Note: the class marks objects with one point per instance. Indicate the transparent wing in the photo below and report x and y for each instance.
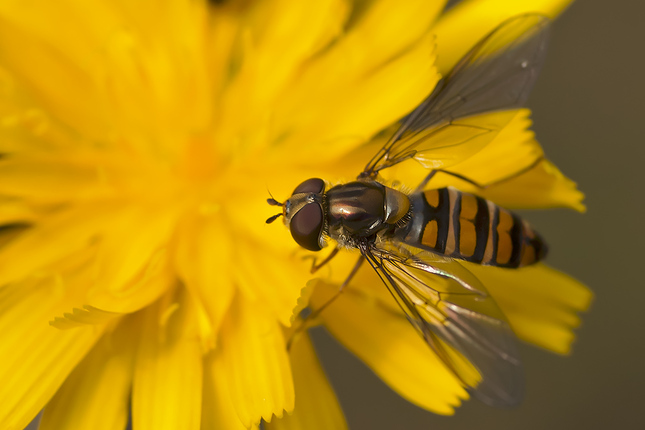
(457, 318)
(496, 75)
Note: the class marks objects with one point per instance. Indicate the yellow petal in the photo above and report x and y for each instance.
(543, 186)
(68, 89)
(129, 277)
(511, 168)
(36, 358)
(156, 277)
(219, 37)
(341, 114)
(15, 211)
(378, 333)
(459, 29)
(10, 232)
(377, 32)
(65, 232)
(204, 266)
(273, 277)
(167, 388)
(114, 55)
(316, 406)
(153, 98)
(270, 27)
(482, 138)
(169, 52)
(510, 153)
(218, 411)
(96, 395)
(87, 316)
(540, 302)
(272, 272)
(48, 179)
(28, 130)
(145, 234)
(258, 372)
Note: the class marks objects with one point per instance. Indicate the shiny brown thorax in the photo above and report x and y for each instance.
(359, 209)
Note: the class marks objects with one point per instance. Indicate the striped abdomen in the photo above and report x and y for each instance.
(471, 228)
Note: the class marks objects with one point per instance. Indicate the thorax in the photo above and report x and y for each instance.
(361, 209)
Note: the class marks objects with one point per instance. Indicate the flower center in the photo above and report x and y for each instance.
(199, 165)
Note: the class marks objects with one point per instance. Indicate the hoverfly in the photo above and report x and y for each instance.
(415, 241)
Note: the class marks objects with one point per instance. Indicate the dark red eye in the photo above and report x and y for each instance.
(313, 185)
(306, 226)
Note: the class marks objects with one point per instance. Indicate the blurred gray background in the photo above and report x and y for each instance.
(589, 113)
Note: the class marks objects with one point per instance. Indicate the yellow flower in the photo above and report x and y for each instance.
(139, 139)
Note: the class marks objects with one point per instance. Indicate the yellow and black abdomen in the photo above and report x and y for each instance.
(467, 227)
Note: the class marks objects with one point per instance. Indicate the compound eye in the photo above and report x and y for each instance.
(313, 185)
(306, 226)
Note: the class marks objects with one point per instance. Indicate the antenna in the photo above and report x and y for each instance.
(274, 202)
(273, 218)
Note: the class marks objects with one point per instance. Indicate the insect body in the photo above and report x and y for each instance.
(467, 227)
(416, 242)
(445, 221)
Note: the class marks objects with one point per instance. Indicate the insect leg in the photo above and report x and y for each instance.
(314, 314)
(425, 181)
(518, 173)
(463, 178)
(315, 267)
(357, 266)
(433, 172)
